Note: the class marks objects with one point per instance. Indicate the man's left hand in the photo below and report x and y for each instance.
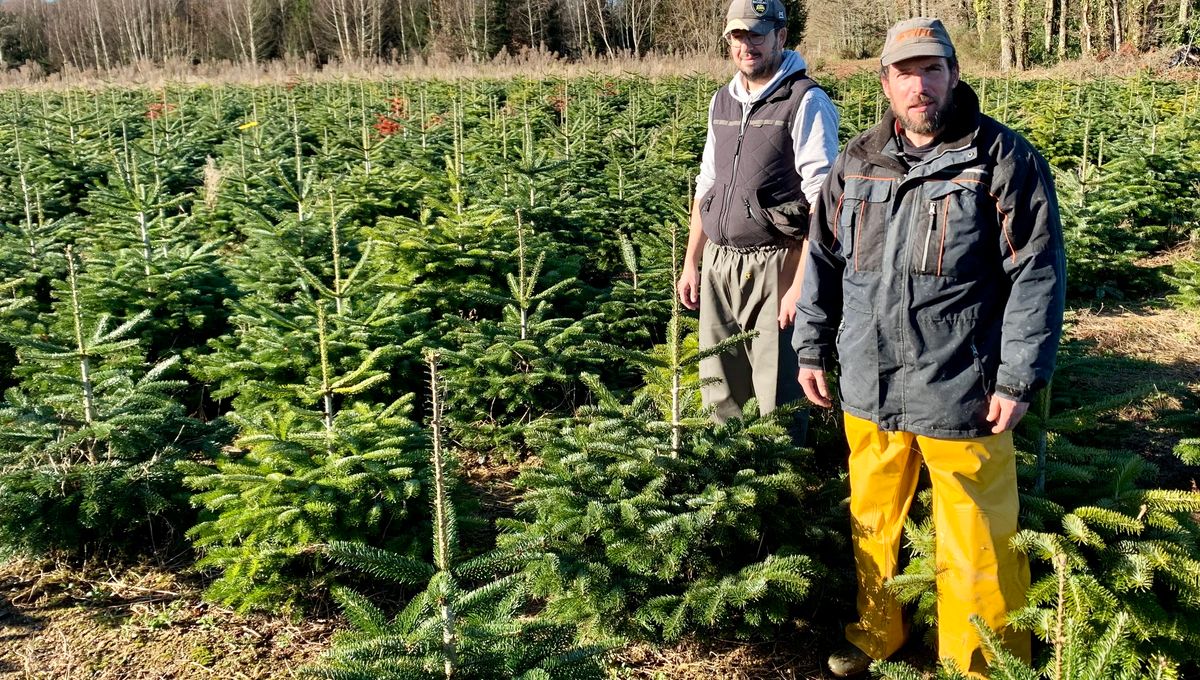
(1004, 413)
(787, 307)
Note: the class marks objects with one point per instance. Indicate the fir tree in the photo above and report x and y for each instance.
(448, 630)
(329, 464)
(1081, 647)
(506, 374)
(90, 435)
(1188, 450)
(634, 310)
(652, 519)
(1186, 279)
(274, 342)
(1132, 551)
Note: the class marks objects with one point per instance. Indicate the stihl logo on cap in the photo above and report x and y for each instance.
(760, 8)
(914, 33)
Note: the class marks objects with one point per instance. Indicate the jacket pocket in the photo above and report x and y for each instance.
(862, 219)
(948, 232)
(710, 212)
(946, 381)
(756, 213)
(979, 367)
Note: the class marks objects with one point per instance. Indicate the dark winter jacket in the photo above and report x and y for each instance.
(937, 283)
(757, 198)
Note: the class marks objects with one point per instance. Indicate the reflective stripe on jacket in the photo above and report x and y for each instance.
(937, 283)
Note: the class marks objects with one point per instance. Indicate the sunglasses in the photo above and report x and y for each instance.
(746, 37)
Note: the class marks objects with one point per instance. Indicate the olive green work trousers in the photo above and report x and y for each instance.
(740, 290)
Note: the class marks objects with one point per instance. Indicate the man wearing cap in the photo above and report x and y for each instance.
(772, 136)
(935, 279)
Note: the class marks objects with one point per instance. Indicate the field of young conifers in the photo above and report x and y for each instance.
(275, 322)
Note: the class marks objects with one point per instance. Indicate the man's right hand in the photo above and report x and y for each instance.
(689, 287)
(812, 381)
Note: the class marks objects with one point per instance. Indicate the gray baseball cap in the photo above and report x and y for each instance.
(756, 16)
(919, 37)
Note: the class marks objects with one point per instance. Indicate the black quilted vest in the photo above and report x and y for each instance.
(756, 200)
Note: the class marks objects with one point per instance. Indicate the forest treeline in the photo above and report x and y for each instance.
(103, 34)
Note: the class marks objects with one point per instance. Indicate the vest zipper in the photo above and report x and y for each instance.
(929, 236)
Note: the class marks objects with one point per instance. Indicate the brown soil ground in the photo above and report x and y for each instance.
(146, 622)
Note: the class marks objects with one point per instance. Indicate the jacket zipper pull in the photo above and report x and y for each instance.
(929, 236)
(749, 215)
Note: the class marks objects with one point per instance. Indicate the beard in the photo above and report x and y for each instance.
(932, 120)
(766, 65)
(762, 68)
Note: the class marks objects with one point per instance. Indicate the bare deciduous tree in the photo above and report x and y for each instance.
(243, 24)
(463, 26)
(356, 26)
(694, 26)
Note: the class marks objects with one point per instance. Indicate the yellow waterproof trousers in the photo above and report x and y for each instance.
(974, 513)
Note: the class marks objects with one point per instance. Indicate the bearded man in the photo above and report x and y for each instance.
(772, 136)
(935, 279)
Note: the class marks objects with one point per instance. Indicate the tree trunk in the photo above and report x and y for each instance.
(1021, 35)
(1048, 27)
(100, 34)
(608, 50)
(1006, 38)
(251, 22)
(981, 23)
(1062, 30)
(1085, 27)
(1116, 26)
(529, 26)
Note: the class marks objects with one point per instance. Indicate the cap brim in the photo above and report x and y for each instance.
(918, 49)
(759, 26)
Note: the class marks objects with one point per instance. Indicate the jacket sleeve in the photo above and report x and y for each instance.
(1035, 262)
(819, 309)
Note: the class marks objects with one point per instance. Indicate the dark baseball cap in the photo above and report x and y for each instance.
(919, 37)
(756, 16)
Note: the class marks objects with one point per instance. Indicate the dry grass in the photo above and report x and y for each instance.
(527, 63)
(1168, 337)
(142, 623)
